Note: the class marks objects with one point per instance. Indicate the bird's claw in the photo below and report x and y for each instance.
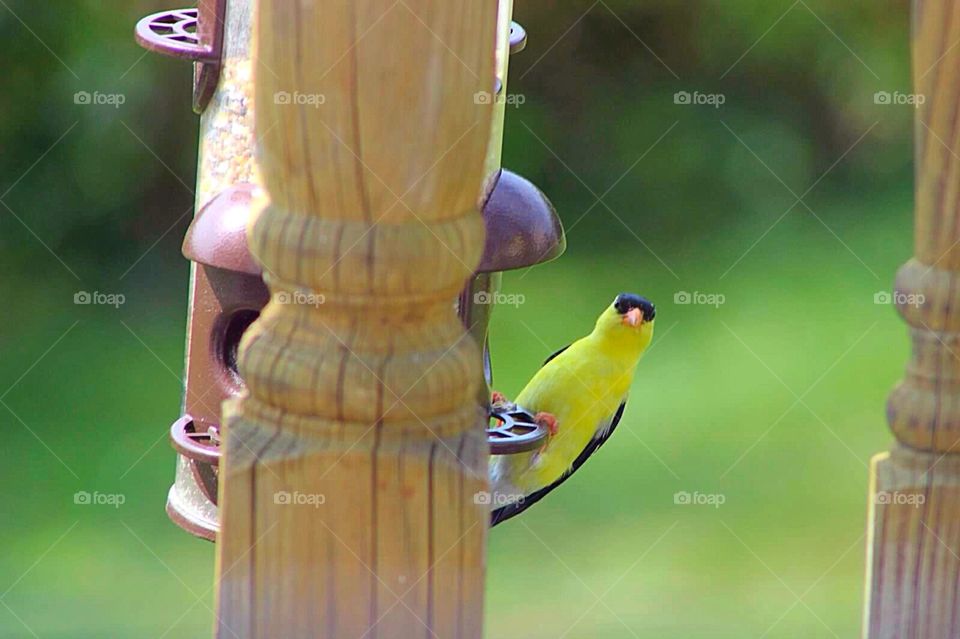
(548, 421)
(500, 403)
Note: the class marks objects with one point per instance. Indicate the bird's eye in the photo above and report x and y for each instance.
(620, 304)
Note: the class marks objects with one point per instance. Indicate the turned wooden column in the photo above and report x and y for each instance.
(350, 465)
(913, 553)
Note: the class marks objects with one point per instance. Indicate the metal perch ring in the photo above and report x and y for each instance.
(515, 431)
(174, 33)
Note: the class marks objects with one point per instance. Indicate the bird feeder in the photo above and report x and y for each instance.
(227, 289)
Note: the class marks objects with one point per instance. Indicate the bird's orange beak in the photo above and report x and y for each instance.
(633, 317)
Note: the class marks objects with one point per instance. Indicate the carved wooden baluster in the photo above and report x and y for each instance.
(347, 489)
(913, 556)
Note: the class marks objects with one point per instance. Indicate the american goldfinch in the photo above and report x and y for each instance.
(579, 395)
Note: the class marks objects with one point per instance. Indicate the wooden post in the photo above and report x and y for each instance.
(913, 551)
(350, 466)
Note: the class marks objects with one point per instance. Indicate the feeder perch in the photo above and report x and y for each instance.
(194, 34)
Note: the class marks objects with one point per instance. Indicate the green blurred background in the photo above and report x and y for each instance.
(773, 399)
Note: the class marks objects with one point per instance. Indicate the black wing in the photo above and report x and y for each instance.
(547, 361)
(506, 512)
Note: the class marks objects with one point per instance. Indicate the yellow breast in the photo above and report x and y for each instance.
(582, 387)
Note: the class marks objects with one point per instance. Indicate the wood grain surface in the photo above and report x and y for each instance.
(913, 550)
(351, 464)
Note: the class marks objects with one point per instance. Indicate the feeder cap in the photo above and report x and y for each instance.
(522, 226)
(218, 234)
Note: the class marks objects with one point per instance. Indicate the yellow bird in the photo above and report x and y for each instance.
(579, 395)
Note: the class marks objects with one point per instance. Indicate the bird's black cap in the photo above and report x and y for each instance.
(627, 301)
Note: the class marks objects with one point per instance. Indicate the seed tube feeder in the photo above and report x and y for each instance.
(341, 481)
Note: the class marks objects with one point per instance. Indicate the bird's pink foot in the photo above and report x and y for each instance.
(498, 398)
(548, 421)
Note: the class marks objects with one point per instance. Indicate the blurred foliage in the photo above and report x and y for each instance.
(599, 81)
(657, 198)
